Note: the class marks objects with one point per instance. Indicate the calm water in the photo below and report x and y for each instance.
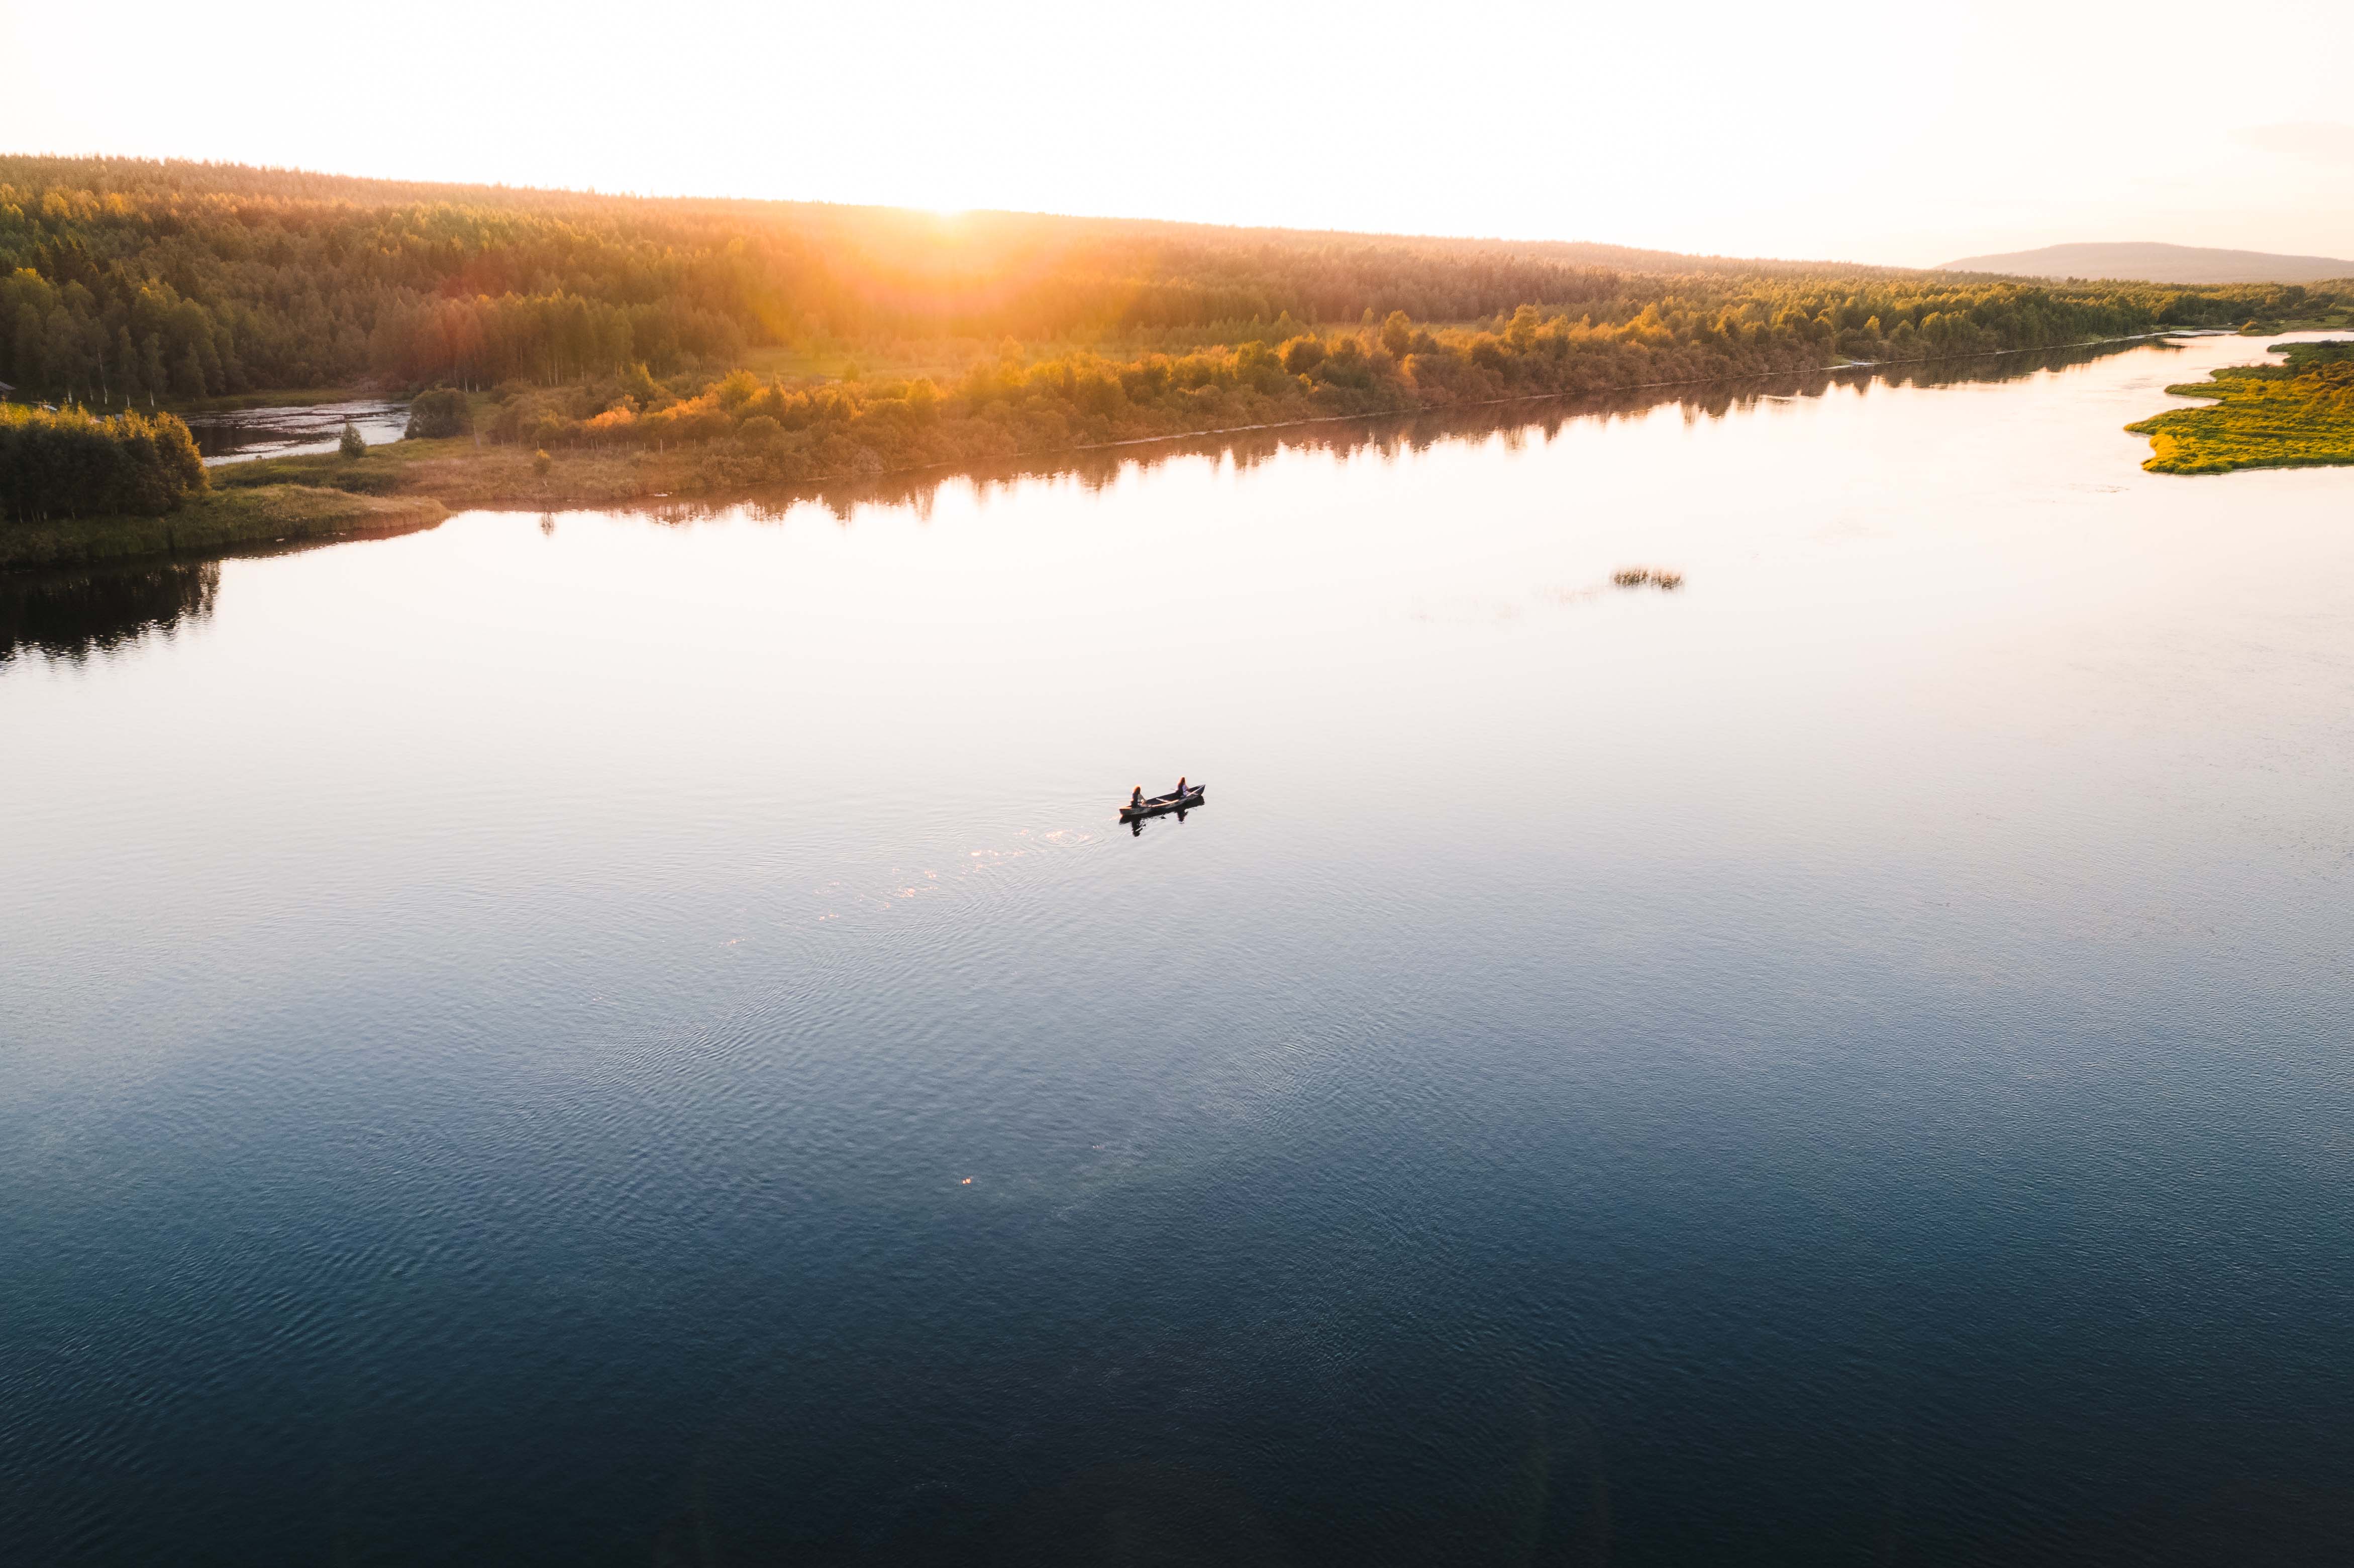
(603, 1041)
(241, 435)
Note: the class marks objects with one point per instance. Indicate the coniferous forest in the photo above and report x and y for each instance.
(130, 278)
(784, 341)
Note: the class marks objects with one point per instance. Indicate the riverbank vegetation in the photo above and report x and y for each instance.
(655, 348)
(215, 523)
(59, 464)
(631, 434)
(684, 478)
(411, 483)
(2292, 415)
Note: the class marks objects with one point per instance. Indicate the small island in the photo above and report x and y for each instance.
(2294, 414)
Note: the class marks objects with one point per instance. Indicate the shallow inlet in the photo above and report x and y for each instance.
(583, 1038)
(242, 435)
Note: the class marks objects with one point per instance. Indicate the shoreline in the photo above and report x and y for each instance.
(2290, 412)
(216, 522)
(463, 476)
(403, 486)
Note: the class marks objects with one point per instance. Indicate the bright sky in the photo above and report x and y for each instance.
(1849, 129)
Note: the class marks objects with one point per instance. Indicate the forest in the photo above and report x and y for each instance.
(618, 347)
(128, 282)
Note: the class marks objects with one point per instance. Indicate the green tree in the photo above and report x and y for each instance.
(126, 362)
(437, 414)
(1397, 334)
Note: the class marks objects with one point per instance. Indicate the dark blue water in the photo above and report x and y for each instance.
(625, 1041)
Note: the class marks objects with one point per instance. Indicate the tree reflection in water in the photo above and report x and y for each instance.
(1514, 420)
(67, 616)
(70, 616)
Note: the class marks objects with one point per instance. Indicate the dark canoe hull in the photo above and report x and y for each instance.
(1160, 803)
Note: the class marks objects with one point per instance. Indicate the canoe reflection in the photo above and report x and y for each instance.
(1180, 801)
(1136, 824)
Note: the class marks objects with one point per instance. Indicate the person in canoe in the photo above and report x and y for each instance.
(1181, 786)
(1135, 798)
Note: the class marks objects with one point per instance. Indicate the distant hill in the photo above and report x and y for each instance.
(2157, 263)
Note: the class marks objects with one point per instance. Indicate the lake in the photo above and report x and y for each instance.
(600, 1038)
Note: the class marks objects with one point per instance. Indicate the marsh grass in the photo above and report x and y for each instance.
(2295, 415)
(1661, 578)
(218, 521)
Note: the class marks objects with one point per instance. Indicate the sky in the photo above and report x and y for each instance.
(1816, 129)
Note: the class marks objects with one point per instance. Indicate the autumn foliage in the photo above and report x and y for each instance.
(749, 429)
(123, 279)
(68, 463)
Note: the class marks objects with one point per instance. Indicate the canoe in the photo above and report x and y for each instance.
(1155, 804)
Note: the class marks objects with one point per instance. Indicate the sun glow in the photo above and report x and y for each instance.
(2065, 154)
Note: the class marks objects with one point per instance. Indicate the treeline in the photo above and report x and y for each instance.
(743, 429)
(56, 464)
(127, 282)
(180, 279)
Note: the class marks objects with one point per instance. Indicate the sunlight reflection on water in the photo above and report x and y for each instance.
(646, 1038)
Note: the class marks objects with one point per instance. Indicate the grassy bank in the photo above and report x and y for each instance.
(458, 474)
(633, 440)
(2294, 414)
(219, 520)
